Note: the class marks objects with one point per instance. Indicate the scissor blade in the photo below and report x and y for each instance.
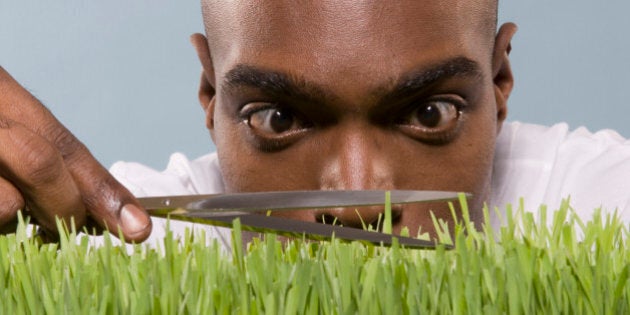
(286, 200)
(295, 228)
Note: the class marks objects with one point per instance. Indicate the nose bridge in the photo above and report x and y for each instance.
(356, 160)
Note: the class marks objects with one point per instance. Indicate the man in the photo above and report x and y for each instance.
(326, 95)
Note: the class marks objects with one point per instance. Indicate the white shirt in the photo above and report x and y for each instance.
(542, 165)
(545, 165)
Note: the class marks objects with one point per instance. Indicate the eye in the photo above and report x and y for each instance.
(434, 115)
(434, 121)
(272, 126)
(272, 121)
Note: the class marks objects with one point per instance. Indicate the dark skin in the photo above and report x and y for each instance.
(47, 172)
(337, 97)
(328, 96)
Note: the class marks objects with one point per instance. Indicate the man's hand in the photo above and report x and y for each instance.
(49, 173)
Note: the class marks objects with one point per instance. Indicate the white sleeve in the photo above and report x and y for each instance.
(181, 176)
(594, 169)
(543, 165)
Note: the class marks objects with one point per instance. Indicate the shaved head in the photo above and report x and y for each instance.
(221, 16)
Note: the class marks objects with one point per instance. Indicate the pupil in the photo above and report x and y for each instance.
(281, 121)
(430, 116)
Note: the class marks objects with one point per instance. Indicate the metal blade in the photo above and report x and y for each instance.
(170, 202)
(295, 228)
(223, 209)
(287, 200)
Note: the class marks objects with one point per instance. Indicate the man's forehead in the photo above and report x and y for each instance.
(333, 43)
(224, 19)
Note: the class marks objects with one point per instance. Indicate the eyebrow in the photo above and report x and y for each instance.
(417, 80)
(276, 83)
(295, 87)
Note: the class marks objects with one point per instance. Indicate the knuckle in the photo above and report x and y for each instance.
(42, 165)
(33, 160)
(67, 144)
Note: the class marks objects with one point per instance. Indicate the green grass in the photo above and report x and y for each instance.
(527, 267)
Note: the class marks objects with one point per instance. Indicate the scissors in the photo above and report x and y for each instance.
(250, 208)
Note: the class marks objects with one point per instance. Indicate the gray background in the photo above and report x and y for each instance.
(123, 77)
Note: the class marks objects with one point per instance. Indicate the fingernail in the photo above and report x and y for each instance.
(133, 220)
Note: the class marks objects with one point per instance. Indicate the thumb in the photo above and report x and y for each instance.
(108, 203)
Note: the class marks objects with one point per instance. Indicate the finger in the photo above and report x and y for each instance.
(11, 202)
(37, 170)
(110, 204)
(106, 200)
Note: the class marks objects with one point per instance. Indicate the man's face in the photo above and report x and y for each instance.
(381, 95)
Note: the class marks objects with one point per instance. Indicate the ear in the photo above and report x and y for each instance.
(207, 85)
(502, 71)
